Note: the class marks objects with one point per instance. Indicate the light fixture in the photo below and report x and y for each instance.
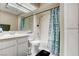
(18, 7)
(28, 6)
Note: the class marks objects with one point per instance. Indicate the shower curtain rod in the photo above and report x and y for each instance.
(41, 12)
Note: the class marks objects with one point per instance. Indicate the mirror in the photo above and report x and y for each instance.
(26, 24)
(10, 20)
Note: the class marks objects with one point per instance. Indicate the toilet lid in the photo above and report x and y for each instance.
(36, 42)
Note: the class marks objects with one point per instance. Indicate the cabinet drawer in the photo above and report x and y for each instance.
(7, 43)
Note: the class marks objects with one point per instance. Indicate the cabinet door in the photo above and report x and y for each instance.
(22, 49)
(9, 51)
(22, 46)
(8, 47)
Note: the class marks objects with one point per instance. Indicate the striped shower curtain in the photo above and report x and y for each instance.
(54, 32)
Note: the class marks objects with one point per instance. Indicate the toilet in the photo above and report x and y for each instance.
(35, 47)
(43, 45)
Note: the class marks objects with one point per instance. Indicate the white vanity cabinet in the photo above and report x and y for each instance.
(17, 46)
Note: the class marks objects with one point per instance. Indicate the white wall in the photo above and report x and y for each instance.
(35, 28)
(44, 28)
(71, 29)
(7, 18)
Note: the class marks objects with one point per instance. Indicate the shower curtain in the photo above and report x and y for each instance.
(54, 32)
(22, 23)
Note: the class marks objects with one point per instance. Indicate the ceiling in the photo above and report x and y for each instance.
(17, 11)
(34, 8)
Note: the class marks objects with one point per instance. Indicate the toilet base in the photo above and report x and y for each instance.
(35, 50)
